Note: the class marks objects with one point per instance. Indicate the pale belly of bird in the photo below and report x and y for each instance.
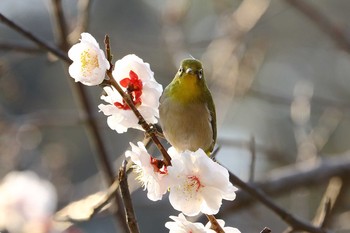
(189, 131)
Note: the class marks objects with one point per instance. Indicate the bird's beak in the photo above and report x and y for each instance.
(189, 71)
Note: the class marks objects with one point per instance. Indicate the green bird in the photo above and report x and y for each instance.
(187, 110)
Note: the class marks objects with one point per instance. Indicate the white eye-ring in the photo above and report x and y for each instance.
(200, 73)
(180, 70)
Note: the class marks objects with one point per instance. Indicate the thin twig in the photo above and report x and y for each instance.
(62, 31)
(41, 43)
(129, 209)
(150, 130)
(253, 159)
(108, 51)
(214, 224)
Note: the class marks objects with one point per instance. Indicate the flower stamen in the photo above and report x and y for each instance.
(88, 62)
(193, 181)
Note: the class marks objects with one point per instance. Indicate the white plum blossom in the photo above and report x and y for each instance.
(26, 203)
(150, 175)
(137, 79)
(197, 183)
(181, 225)
(222, 224)
(89, 62)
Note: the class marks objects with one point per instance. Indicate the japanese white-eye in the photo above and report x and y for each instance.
(187, 111)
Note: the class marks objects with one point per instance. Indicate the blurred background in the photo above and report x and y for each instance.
(278, 71)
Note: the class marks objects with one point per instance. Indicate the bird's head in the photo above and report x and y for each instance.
(189, 81)
(191, 69)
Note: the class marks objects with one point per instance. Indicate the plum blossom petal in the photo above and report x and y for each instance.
(26, 202)
(153, 178)
(181, 225)
(197, 183)
(137, 79)
(89, 62)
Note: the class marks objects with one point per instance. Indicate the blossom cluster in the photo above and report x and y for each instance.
(133, 75)
(196, 184)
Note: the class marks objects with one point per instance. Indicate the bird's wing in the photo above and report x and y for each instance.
(212, 111)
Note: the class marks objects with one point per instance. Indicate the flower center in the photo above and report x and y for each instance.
(89, 61)
(133, 87)
(193, 182)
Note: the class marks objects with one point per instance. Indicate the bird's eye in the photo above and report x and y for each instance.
(180, 70)
(200, 73)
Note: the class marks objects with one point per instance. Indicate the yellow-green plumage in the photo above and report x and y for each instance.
(187, 111)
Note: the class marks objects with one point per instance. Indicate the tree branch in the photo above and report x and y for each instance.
(62, 31)
(299, 175)
(128, 206)
(41, 43)
(252, 159)
(295, 223)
